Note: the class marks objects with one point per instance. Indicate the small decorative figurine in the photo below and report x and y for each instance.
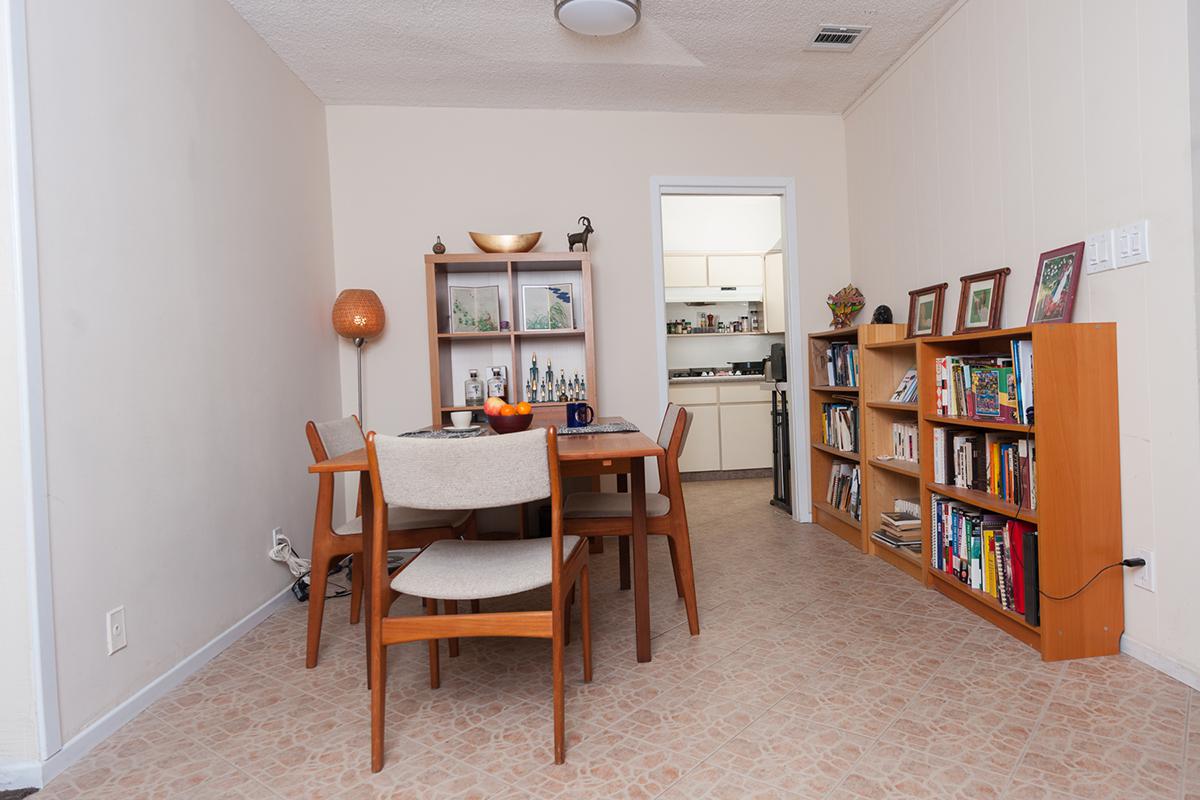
(580, 238)
(845, 305)
(439, 249)
(882, 315)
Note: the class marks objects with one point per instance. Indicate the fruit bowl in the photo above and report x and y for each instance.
(513, 423)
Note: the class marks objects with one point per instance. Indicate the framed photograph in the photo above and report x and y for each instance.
(1056, 283)
(474, 309)
(925, 311)
(547, 308)
(980, 299)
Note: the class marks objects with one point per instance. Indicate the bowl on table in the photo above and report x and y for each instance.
(513, 423)
(505, 242)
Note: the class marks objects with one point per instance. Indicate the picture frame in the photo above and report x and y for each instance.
(474, 309)
(925, 311)
(547, 307)
(980, 300)
(1056, 284)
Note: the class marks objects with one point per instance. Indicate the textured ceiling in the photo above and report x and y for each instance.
(686, 55)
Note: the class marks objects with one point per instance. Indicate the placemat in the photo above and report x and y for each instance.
(444, 434)
(600, 427)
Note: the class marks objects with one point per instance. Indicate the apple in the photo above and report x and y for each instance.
(492, 406)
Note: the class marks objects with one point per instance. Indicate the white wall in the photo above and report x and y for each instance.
(185, 255)
(401, 176)
(1002, 136)
(721, 222)
(18, 707)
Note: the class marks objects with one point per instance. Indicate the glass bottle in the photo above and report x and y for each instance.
(496, 386)
(473, 390)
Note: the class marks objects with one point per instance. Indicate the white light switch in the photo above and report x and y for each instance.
(1098, 254)
(1133, 244)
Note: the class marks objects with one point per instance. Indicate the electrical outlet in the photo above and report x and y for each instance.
(275, 534)
(115, 625)
(1133, 244)
(1144, 576)
(1099, 253)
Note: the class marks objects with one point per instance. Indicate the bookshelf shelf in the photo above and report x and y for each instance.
(904, 560)
(911, 469)
(836, 453)
(887, 405)
(967, 422)
(956, 588)
(988, 502)
(836, 389)
(895, 344)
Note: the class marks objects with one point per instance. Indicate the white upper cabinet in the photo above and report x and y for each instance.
(774, 299)
(735, 270)
(685, 271)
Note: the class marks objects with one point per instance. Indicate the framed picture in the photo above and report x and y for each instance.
(980, 299)
(925, 311)
(1056, 283)
(547, 308)
(474, 309)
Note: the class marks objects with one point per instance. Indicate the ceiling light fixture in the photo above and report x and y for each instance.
(598, 17)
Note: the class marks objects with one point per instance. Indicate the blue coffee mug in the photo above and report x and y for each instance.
(579, 415)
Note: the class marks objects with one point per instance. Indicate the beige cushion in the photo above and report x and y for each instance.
(409, 519)
(586, 505)
(457, 569)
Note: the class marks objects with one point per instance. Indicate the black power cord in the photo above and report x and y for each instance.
(1128, 562)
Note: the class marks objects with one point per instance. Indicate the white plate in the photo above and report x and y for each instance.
(459, 430)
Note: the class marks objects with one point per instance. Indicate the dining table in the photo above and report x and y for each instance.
(621, 453)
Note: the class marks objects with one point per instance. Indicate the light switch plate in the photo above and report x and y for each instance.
(1099, 254)
(1133, 244)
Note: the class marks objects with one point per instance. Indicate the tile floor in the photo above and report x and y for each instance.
(820, 673)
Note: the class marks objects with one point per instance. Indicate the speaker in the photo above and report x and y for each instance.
(778, 362)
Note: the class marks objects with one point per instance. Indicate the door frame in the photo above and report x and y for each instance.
(793, 311)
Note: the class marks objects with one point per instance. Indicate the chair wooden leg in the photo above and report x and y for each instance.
(675, 565)
(378, 674)
(356, 589)
(687, 576)
(560, 749)
(474, 606)
(567, 616)
(623, 557)
(451, 607)
(595, 544)
(585, 622)
(435, 673)
(316, 604)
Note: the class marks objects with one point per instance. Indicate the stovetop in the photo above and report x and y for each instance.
(715, 372)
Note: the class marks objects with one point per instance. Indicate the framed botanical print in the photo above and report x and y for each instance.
(1056, 284)
(980, 300)
(474, 309)
(925, 311)
(547, 308)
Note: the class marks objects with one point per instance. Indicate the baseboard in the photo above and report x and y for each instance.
(20, 775)
(82, 743)
(1153, 658)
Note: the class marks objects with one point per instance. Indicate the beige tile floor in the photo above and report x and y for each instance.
(820, 673)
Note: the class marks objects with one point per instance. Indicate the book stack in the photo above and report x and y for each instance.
(845, 489)
(988, 552)
(906, 391)
(899, 529)
(905, 437)
(840, 425)
(842, 364)
(981, 387)
(1000, 464)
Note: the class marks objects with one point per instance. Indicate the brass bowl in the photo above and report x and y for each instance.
(505, 242)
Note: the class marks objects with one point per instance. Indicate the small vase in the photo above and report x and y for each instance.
(439, 249)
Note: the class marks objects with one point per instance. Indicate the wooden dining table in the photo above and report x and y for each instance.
(579, 455)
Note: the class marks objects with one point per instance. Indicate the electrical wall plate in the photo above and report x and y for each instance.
(1143, 577)
(1099, 254)
(1133, 244)
(114, 623)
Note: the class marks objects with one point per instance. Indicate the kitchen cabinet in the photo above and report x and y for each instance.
(731, 425)
(742, 270)
(745, 435)
(774, 297)
(685, 271)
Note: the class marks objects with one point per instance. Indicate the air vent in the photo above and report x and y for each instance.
(842, 38)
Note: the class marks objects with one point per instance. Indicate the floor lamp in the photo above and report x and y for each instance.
(358, 316)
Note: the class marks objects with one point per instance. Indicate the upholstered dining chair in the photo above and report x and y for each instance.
(446, 475)
(594, 514)
(408, 528)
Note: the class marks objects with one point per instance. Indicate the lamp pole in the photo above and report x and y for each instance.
(358, 346)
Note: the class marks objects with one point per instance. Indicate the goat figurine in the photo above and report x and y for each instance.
(580, 238)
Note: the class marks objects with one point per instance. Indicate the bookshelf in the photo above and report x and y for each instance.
(1078, 514)
(884, 365)
(451, 354)
(823, 456)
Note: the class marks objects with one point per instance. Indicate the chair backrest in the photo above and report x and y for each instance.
(672, 436)
(336, 437)
(480, 472)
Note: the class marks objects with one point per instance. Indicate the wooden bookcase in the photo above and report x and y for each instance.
(451, 355)
(1078, 513)
(884, 365)
(823, 456)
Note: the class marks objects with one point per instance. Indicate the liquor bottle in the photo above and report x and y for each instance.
(533, 378)
(528, 392)
(543, 392)
(550, 376)
(473, 390)
(496, 386)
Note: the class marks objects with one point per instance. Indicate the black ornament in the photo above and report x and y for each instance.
(882, 314)
(580, 238)
(438, 247)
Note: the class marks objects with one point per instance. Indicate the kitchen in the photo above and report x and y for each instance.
(723, 268)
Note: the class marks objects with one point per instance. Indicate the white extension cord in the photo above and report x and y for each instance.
(282, 552)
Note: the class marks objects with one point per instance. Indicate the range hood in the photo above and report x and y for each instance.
(713, 294)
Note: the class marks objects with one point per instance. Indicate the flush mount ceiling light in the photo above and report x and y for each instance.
(598, 17)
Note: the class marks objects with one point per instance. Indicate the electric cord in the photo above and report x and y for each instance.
(1128, 562)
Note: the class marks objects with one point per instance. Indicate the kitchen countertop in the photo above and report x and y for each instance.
(719, 379)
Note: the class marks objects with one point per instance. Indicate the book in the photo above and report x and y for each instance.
(841, 364)
(981, 387)
(844, 492)
(839, 421)
(906, 390)
(901, 520)
(905, 441)
(988, 552)
(887, 538)
(908, 505)
(1032, 590)
(1022, 358)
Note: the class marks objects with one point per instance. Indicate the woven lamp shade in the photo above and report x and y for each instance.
(358, 314)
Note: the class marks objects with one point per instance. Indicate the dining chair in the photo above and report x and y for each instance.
(408, 528)
(447, 475)
(595, 514)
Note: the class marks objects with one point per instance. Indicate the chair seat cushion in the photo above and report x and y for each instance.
(409, 519)
(586, 505)
(457, 569)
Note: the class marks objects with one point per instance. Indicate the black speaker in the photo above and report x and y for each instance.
(778, 362)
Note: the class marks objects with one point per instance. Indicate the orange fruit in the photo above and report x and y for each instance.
(507, 410)
(524, 408)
